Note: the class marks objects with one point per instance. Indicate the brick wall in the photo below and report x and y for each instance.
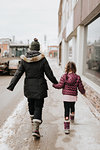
(93, 97)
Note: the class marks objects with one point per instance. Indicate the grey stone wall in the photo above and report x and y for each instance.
(93, 97)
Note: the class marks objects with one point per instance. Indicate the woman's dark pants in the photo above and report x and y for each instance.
(35, 107)
(69, 107)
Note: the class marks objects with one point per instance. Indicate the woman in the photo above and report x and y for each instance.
(35, 65)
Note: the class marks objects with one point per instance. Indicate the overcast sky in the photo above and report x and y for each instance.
(26, 19)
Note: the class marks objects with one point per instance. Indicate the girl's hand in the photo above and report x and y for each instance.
(84, 94)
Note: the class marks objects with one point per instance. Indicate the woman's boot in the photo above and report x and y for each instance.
(36, 124)
(32, 117)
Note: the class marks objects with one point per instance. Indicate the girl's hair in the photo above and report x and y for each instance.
(70, 67)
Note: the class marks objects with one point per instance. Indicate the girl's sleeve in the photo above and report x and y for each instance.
(61, 83)
(80, 86)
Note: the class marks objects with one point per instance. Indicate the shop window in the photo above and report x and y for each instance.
(92, 64)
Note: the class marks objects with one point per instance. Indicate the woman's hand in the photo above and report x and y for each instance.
(84, 94)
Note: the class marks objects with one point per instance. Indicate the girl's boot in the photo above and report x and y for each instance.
(72, 116)
(36, 124)
(67, 126)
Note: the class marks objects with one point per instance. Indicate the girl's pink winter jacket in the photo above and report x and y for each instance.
(70, 84)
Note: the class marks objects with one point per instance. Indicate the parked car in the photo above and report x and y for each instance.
(4, 67)
(13, 66)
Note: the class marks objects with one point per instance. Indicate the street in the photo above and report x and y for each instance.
(9, 100)
(16, 133)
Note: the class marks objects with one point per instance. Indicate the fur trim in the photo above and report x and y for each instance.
(36, 120)
(31, 115)
(32, 59)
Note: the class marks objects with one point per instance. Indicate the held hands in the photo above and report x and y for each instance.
(53, 85)
(84, 94)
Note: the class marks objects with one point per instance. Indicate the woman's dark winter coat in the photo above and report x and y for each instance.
(35, 65)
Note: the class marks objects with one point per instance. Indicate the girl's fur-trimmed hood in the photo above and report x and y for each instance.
(32, 57)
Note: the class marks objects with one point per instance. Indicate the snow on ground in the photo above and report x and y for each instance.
(6, 131)
(4, 147)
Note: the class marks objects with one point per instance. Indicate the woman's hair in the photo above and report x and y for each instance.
(70, 67)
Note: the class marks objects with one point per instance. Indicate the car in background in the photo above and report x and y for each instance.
(13, 66)
(3, 67)
(9, 65)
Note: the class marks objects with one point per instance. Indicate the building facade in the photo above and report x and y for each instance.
(79, 41)
(18, 49)
(4, 47)
(9, 48)
(52, 51)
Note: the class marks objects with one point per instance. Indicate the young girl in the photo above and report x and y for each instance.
(69, 83)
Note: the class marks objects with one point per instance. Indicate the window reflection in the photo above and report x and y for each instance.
(92, 67)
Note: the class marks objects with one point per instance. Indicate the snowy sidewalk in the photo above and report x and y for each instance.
(85, 132)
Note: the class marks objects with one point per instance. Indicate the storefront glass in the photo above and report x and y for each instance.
(92, 64)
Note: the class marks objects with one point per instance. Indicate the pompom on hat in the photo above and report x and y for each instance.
(35, 45)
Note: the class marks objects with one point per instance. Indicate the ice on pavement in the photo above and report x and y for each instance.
(6, 131)
(4, 147)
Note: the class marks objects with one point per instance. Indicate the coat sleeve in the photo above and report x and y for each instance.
(16, 77)
(61, 83)
(49, 73)
(80, 86)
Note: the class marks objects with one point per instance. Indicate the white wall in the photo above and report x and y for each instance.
(69, 26)
(74, 49)
(80, 49)
(64, 54)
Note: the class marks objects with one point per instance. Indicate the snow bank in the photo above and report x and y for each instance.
(6, 131)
